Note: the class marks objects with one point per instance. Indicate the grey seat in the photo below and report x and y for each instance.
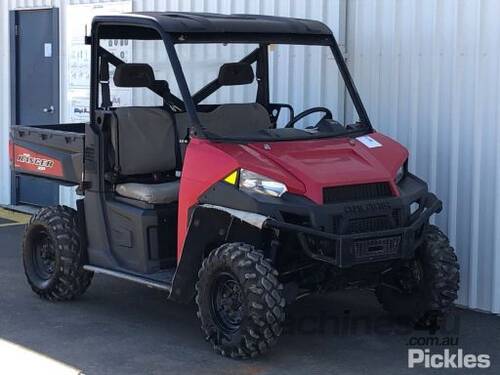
(150, 193)
(229, 119)
(232, 119)
(145, 139)
(144, 142)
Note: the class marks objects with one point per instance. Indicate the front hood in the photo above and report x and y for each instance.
(306, 167)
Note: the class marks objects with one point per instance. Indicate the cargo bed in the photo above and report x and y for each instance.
(51, 151)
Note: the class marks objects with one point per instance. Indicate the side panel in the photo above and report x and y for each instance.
(204, 165)
(142, 240)
(98, 236)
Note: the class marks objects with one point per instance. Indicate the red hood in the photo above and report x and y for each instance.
(306, 167)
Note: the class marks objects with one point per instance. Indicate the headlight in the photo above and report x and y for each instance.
(400, 174)
(255, 183)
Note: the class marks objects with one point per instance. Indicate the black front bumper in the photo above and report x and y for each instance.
(333, 243)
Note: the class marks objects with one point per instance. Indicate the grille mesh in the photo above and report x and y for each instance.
(369, 224)
(349, 193)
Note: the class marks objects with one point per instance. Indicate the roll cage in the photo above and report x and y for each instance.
(261, 30)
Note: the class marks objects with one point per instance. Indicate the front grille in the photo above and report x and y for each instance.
(369, 224)
(377, 247)
(349, 193)
(346, 225)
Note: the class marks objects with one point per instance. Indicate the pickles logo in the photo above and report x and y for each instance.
(39, 163)
(447, 359)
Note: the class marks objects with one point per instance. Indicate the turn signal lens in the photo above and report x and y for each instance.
(232, 178)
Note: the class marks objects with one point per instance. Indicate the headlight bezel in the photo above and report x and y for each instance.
(252, 182)
(401, 172)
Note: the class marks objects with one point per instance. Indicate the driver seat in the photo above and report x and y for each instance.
(144, 141)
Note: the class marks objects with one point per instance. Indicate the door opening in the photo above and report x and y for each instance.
(34, 36)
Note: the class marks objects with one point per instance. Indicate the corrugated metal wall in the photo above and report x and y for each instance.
(429, 73)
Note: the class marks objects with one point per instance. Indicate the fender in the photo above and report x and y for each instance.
(211, 226)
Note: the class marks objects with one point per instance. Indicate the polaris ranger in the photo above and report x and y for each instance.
(220, 202)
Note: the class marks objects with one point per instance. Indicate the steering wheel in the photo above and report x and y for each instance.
(307, 112)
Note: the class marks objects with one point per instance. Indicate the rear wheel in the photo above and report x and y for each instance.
(240, 301)
(423, 291)
(53, 255)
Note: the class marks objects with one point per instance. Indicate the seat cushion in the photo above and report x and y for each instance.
(167, 192)
(144, 139)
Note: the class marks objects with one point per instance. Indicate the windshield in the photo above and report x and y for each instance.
(236, 91)
(268, 92)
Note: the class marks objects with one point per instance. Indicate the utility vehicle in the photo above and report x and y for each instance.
(216, 200)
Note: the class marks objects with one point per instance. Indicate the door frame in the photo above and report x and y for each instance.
(13, 50)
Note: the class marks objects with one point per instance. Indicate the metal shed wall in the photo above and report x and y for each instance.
(429, 73)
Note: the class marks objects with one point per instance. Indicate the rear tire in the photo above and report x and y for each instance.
(434, 276)
(54, 255)
(240, 301)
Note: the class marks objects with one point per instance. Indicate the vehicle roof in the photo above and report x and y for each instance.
(183, 22)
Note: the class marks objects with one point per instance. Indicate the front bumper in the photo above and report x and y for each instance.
(334, 244)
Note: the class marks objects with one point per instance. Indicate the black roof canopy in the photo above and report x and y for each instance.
(204, 25)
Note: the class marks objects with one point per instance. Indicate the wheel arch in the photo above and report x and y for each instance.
(211, 226)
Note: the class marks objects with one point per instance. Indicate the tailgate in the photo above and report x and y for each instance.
(49, 151)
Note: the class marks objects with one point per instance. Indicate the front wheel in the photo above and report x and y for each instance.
(423, 290)
(240, 301)
(53, 255)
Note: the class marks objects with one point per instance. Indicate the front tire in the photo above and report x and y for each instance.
(240, 301)
(53, 255)
(423, 291)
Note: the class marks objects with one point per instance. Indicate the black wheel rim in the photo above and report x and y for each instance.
(407, 280)
(44, 255)
(227, 302)
(411, 280)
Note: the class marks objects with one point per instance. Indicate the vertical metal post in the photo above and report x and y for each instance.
(14, 32)
(342, 42)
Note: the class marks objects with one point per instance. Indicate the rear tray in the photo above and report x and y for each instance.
(51, 151)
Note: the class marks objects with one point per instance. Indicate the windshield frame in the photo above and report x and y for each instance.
(262, 39)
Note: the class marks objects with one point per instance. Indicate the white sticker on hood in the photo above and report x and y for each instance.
(369, 141)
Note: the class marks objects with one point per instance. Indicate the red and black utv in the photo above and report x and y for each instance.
(236, 202)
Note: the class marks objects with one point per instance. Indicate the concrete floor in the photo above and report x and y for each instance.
(122, 328)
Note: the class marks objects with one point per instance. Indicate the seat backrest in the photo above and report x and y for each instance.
(144, 140)
(229, 119)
